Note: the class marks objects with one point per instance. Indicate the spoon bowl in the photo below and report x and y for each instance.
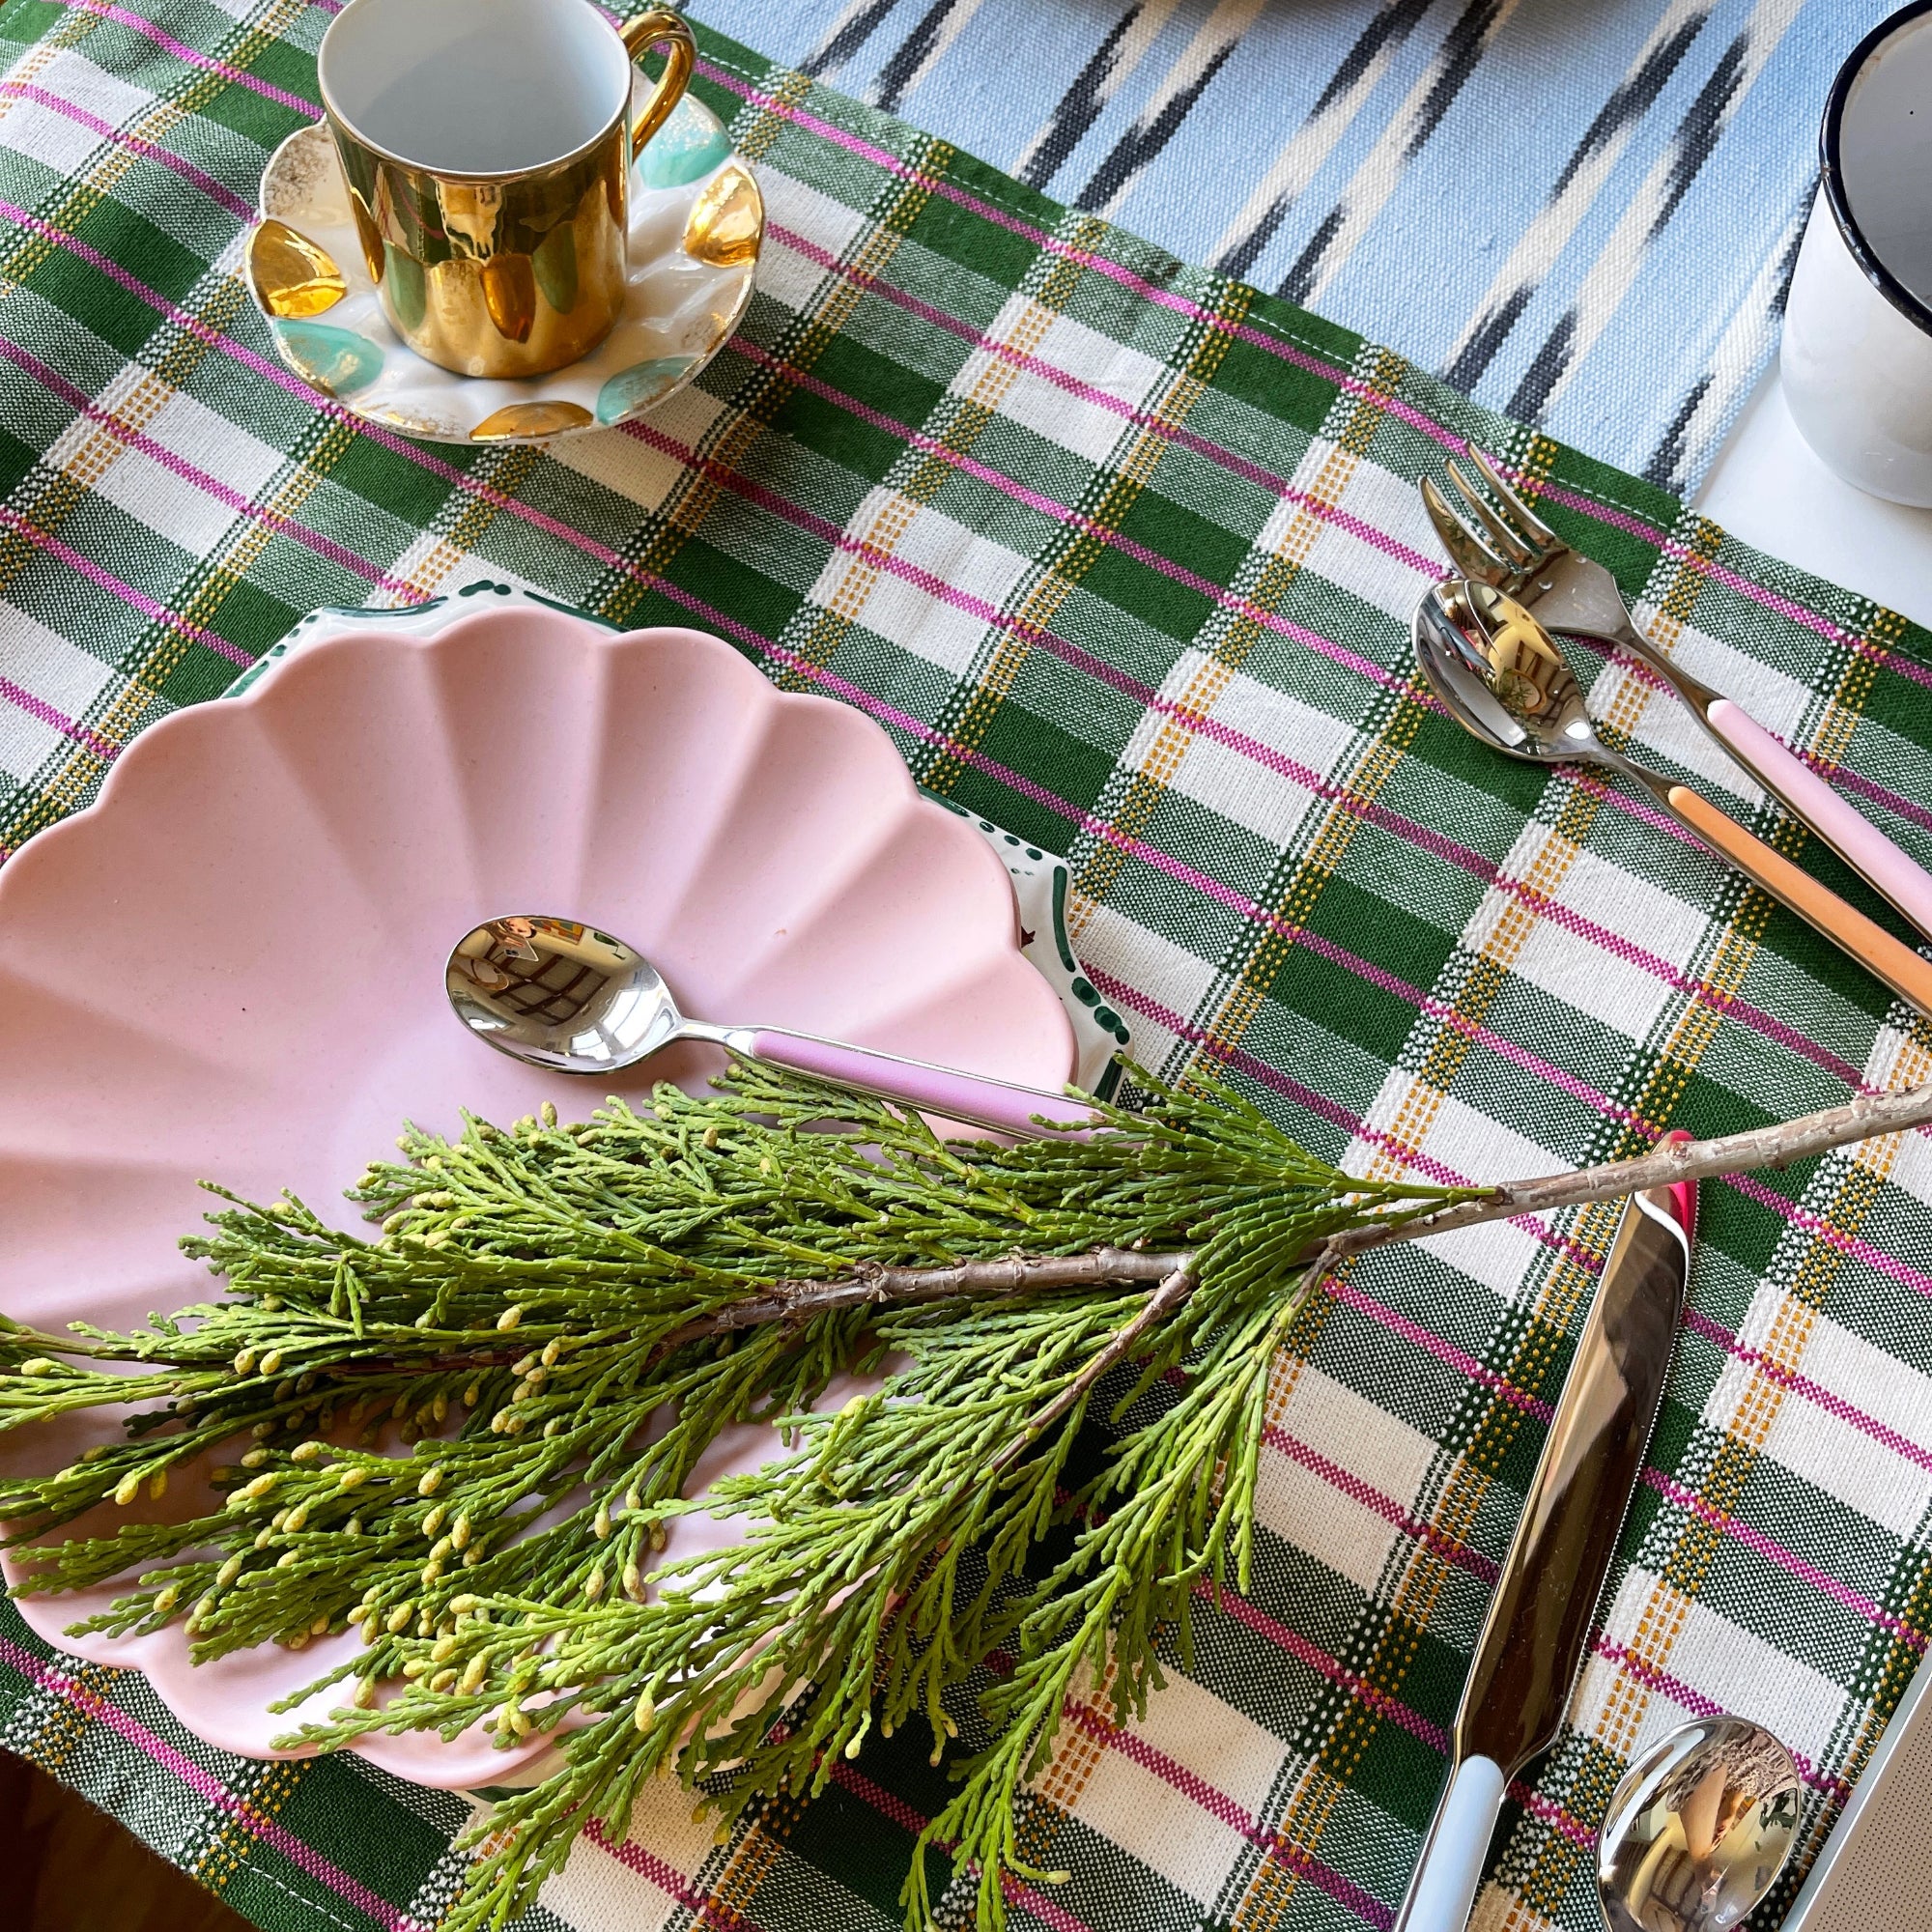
(557, 993)
(1501, 676)
(1698, 1830)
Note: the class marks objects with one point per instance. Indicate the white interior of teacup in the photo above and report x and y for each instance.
(1885, 153)
(475, 87)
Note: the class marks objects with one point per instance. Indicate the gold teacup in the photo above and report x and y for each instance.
(487, 145)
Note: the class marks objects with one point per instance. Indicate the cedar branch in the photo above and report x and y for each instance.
(1865, 1118)
(1173, 1290)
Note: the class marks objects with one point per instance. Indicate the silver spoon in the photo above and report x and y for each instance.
(1698, 1828)
(1501, 676)
(556, 993)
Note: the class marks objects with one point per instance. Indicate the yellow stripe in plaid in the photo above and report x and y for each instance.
(728, 449)
(1074, 551)
(1386, 734)
(857, 575)
(1206, 687)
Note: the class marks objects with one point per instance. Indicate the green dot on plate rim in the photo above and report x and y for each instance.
(639, 385)
(685, 149)
(336, 359)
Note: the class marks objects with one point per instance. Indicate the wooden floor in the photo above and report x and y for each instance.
(67, 1868)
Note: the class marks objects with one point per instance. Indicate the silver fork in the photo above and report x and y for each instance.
(1501, 540)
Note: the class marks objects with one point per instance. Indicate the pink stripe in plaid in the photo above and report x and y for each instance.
(1825, 767)
(79, 400)
(892, 1806)
(1787, 1560)
(634, 1856)
(1641, 1670)
(207, 1787)
(1060, 379)
(1464, 1364)
(1450, 1017)
(1370, 1910)
(936, 587)
(1298, 1647)
(1776, 1372)
(1553, 1814)
(107, 581)
(56, 103)
(1821, 1230)
(39, 707)
(1379, 1504)
(147, 29)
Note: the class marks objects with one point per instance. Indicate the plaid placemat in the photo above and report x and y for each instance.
(1583, 215)
(1122, 554)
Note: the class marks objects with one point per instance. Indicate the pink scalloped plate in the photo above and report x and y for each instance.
(230, 967)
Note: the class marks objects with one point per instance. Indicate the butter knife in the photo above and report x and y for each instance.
(1533, 1640)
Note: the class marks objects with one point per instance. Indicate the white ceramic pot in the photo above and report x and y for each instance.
(1856, 358)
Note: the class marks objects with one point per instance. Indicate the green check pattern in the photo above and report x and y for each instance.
(1122, 554)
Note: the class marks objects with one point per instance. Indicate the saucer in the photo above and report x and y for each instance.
(697, 223)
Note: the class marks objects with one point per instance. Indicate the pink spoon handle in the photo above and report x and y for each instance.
(1847, 831)
(934, 1090)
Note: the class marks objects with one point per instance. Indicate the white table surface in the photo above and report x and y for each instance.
(1768, 488)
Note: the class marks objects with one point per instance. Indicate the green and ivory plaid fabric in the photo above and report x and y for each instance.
(1122, 554)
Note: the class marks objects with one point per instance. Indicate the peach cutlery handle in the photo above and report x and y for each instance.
(1900, 968)
(934, 1090)
(1847, 831)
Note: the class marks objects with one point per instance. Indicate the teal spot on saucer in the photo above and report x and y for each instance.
(336, 359)
(639, 385)
(689, 145)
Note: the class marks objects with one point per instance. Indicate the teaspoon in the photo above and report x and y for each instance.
(1698, 1830)
(556, 993)
(1501, 676)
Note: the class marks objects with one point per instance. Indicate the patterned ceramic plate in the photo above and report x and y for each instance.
(698, 221)
(231, 966)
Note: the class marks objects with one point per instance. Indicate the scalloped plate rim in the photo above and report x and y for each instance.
(181, 736)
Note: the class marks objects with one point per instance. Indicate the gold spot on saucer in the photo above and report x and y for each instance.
(727, 221)
(416, 425)
(292, 276)
(531, 419)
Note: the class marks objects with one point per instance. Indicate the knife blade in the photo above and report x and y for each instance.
(1533, 1638)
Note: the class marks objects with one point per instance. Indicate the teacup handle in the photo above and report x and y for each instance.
(660, 28)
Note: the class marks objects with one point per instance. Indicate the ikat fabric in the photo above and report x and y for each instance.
(1583, 215)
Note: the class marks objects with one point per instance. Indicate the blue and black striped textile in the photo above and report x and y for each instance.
(1582, 211)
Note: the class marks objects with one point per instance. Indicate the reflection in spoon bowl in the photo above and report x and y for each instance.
(1698, 1830)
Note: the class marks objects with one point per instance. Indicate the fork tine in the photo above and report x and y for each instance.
(1520, 555)
(1527, 519)
(1469, 551)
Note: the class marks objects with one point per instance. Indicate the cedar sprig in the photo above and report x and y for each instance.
(538, 1325)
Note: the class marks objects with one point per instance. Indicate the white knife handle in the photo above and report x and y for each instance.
(1444, 1885)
